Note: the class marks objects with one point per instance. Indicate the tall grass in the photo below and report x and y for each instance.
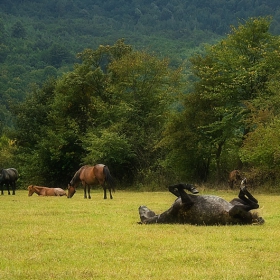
(60, 238)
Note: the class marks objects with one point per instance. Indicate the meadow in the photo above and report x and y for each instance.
(60, 238)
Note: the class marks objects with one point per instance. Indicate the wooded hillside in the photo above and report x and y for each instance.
(40, 41)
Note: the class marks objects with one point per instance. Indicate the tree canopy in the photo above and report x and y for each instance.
(231, 93)
(152, 122)
(110, 108)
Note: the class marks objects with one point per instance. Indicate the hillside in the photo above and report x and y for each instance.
(40, 38)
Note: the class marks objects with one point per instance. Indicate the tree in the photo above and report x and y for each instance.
(231, 75)
(18, 30)
(142, 88)
(31, 123)
(111, 109)
(58, 54)
(8, 148)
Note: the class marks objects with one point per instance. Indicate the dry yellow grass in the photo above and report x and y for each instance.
(60, 238)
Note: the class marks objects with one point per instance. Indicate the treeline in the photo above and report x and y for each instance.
(159, 16)
(127, 108)
(39, 43)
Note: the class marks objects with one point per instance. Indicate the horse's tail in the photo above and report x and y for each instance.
(108, 178)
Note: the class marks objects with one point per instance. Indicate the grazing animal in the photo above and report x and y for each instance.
(234, 177)
(8, 177)
(205, 209)
(90, 176)
(44, 191)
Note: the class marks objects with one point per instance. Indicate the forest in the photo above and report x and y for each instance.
(160, 92)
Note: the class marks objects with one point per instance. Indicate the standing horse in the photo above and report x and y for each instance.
(234, 177)
(205, 209)
(44, 191)
(8, 177)
(90, 176)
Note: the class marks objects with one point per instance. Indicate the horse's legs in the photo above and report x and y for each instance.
(2, 189)
(175, 189)
(105, 193)
(89, 197)
(246, 203)
(186, 199)
(8, 188)
(14, 188)
(243, 192)
(178, 190)
(85, 191)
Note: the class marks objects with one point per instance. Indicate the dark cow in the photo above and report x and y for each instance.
(234, 178)
(8, 177)
(205, 209)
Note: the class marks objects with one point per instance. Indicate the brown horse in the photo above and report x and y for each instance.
(234, 178)
(44, 191)
(90, 176)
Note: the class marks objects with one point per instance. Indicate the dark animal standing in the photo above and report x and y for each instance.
(205, 209)
(8, 177)
(90, 176)
(44, 191)
(234, 178)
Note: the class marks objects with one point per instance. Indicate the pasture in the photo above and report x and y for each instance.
(60, 238)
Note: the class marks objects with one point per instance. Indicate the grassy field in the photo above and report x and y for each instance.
(60, 238)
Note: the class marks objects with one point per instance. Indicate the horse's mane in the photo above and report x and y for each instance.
(76, 177)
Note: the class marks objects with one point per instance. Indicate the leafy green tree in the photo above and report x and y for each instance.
(111, 108)
(30, 130)
(231, 75)
(142, 88)
(261, 149)
(58, 54)
(7, 148)
(18, 30)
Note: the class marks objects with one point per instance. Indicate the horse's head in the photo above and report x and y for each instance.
(71, 191)
(30, 190)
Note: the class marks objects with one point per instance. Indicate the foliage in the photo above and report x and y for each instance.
(232, 77)
(111, 103)
(109, 109)
(37, 34)
(7, 150)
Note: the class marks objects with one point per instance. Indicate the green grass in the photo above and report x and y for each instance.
(60, 238)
